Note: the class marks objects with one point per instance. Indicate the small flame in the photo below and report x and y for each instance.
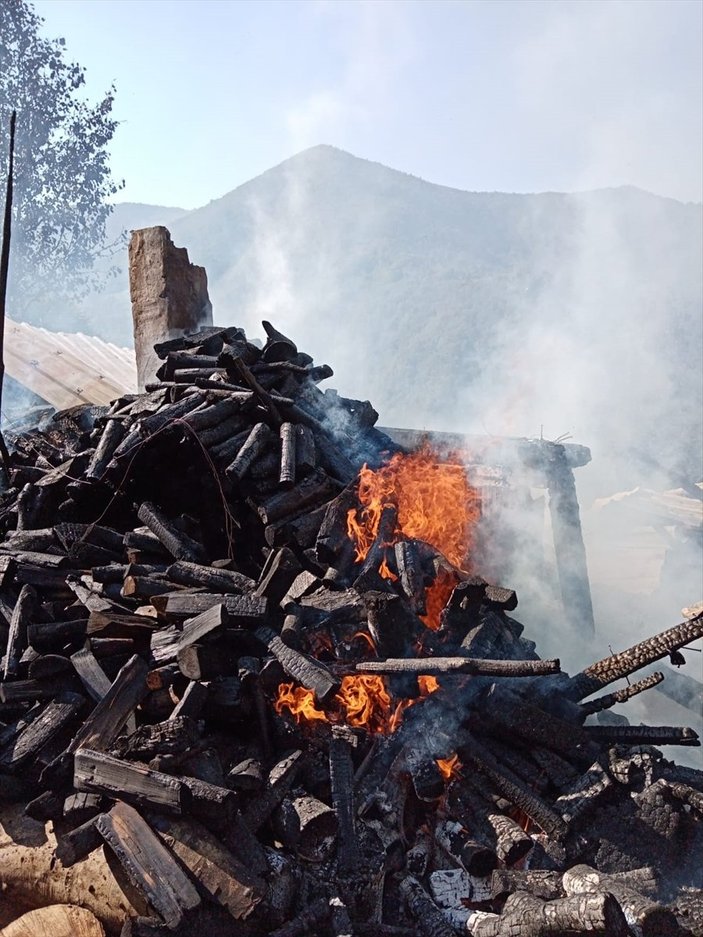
(366, 702)
(428, 684)
(299, 702)
(436, 597)
(449, 767)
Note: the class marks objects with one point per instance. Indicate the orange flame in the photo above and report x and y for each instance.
(366, 702)
(449, 767)
(436, 597)
(299, 702)
(428, 684)
(435, 503)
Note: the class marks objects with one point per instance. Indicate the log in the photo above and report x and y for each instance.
(256, 442)
(513, 789)
(76, 844)
(311, 492)
(342, 787)
(305, 458)
(204, 624)
(215, 580)
(218, 872)
(59, 713)
(412, 578)
(99, 773)
(307, 671)
(279, 782)
(618, 666)
(306, 825)
(126, 692)
(30, 874)
(439, 666)
(475, 857)
(526, 916)
(192, 701)
(430, 921)
(49, 634)
(621, 696)
(17, 637)
(175, 541)
(643, 735)
(243, 610)
(148, 864)
(584, 794)
(542, 884)
(650, 918)
(286, 475)
(56, 920)
(279, 572)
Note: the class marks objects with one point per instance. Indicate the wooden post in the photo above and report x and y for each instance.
(4, 270)
(568, 541)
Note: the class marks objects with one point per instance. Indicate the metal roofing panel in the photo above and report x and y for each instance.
(68, 369)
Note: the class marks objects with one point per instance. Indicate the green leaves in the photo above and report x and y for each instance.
(62, 174)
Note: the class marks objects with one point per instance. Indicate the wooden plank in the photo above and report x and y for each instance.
(126, 692)
(91, 674)
(226, 880)
(58, 714)
(99, 773)
(149, 865)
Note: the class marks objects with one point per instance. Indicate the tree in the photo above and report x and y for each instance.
(62, 173)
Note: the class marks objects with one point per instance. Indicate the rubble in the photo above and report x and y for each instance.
(239, 659)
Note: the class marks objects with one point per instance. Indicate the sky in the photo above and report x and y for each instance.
(484, 95)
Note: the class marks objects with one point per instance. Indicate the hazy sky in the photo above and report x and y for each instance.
(485, 95)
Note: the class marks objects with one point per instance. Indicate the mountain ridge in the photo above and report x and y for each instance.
(454, 309)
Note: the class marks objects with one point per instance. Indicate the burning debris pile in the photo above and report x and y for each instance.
(270, 687)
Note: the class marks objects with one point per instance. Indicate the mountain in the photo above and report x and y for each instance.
(489, 312)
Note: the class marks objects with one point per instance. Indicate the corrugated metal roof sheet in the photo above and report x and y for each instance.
(67, 369)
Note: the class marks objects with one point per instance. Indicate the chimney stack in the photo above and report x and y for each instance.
(169, 295)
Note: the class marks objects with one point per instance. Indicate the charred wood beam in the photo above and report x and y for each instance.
(278, 784)
(309, 493)
(208, 577)
(342, 786)
(443, 666)
(306, 825)
(308, 921)
(175, 541)
(286, 475)
(643, 735)
(475, 857)
(526, 916)
(515, 791)
(76, 844)
(59, 714)
(148, 864)
(112, 435)
(542, 884)
(618, 666)
(584, 794)
(412, 578)
(98, 773)
(17, 637)
(516, 717)
(621, 696)
(243, 610)
(650, 918)
(569, 547)
(307, 671)
(430, 921)
(226, 880)
(126, 692)
(256, 442)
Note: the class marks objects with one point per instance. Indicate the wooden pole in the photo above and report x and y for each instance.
(4, 269)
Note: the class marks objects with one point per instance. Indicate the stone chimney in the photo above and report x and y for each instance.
(169, 295)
